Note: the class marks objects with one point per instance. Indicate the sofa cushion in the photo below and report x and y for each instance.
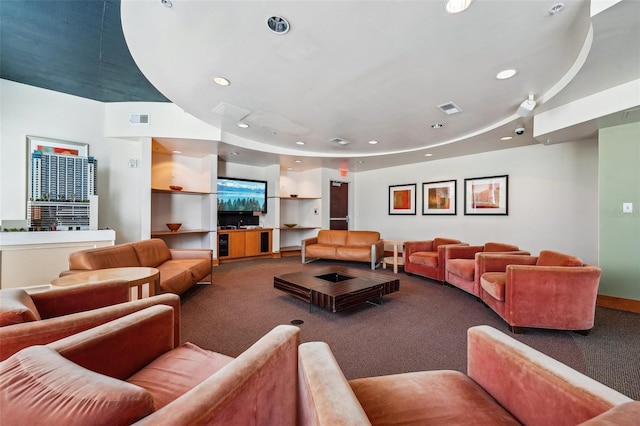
(151, 252)
(361, 238)
(428, 398)
(66, 394)
(325, 251)
(553, 258)
(176, 372)
(623, 414)
(499, 247)
(464, 268)
(494, 284)
(198, 268)
(354, 253)
(17, 307)
(332, 237)
(425, 258)
(120, 256)
(174, 280)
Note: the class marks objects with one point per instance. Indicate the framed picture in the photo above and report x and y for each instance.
(402, 199)
(486, 195)
(52, 146)
(439, 197)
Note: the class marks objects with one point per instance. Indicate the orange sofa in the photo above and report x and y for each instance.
(553, 290)
(180, 269)
(40, 318)
(507, 383)
(426, 258)
(129, 371)
(461, 263)
(354, 246)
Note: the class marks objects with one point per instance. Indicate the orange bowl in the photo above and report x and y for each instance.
(175, 187)
(173, 227)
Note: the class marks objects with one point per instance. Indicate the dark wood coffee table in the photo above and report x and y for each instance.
(336, 287)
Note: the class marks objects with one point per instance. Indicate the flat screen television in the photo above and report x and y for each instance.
(241, 195)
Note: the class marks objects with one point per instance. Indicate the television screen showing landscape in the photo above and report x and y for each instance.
(238, 195)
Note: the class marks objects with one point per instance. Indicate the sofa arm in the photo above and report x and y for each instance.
(65, 301)
(256, 388)
(414, 246)
(19, 336)
(324, 394)
(492, 262)
(191, 253)
(532, 386)
(123, 346)
(303, 250)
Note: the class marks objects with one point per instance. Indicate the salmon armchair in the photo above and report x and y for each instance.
(426, 258)
(553, 290)
(40, 318)
(461, 264)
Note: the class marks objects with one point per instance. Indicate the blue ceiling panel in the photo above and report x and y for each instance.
(75, 47)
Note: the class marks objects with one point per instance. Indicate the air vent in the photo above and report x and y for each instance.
(231, 112)
(449, 108)
(139, 119)
(339, 141)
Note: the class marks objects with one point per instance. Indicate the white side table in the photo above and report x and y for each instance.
(398, 247)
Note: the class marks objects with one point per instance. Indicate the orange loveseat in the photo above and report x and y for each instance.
(42, 317)
(354, 246)
(129, 371)
(180, 269)
(507, 383)
(461, 263)
(553, 290)
(426, 258)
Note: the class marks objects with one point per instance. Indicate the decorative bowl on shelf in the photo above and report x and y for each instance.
(290, 225)
(175, 187)
(173, 227)
(293, 195)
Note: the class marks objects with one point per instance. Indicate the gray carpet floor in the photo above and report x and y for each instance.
(421, 327)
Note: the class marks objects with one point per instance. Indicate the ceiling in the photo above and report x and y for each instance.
(355, 70)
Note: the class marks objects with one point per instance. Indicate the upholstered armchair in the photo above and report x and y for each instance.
(553, 290)
(40, 318)
(460, 264)
(129, 371)
(426, 258)
(506, 383)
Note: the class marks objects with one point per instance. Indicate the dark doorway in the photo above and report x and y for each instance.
(339, 205)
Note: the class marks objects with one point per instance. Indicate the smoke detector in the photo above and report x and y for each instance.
(278, 24)
(339, 141)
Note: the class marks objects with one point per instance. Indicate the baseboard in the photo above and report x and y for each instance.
(618, 303)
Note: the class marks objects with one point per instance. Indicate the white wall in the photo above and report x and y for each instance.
(553, 199)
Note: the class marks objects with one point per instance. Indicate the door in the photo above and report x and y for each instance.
(339, 205)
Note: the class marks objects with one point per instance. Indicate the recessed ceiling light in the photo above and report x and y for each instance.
(505, 74)
(456, 6)
(299, 143)
(437, 125)
(373, 142)
(175, 151)
(243, 125)
(428, 155)
(506, 138)
(289, 168)
(233, 153)
(297, 161)
(221, 81)
(360, 161)
(166, 3)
